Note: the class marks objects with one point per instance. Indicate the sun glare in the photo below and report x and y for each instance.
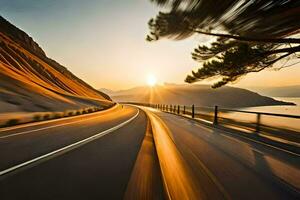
(151, 80)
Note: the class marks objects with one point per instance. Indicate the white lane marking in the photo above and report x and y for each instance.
(71, 146)
(40, 129)
(265, 144)
(48, 127)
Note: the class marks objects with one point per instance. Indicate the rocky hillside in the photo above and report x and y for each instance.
(30, 81)
(200, 95)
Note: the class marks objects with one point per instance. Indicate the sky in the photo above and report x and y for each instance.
(103, 42)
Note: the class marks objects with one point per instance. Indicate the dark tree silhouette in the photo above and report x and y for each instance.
(250, 35)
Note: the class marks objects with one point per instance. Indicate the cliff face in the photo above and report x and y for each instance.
(30, 81)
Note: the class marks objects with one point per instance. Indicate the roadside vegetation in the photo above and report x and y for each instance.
(51, 115)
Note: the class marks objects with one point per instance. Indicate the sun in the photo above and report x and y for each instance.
(151, 80)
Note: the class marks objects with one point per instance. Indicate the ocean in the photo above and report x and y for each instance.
(284, 123)
(291, 110)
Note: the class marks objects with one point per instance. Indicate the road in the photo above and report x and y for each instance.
(124, 153)
(100, 168)
(219, 165)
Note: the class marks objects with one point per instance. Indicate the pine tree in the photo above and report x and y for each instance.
(250, 35)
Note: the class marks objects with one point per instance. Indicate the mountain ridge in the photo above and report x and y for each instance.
(282, 91)
(200, 95)
(31, 81)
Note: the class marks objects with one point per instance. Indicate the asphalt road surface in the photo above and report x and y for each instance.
(98, 169)
(220, 165)
(122, 153)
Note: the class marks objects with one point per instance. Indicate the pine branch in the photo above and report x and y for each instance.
(250, 39)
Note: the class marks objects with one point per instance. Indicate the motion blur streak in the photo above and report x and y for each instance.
(179, 180)
(145, 181)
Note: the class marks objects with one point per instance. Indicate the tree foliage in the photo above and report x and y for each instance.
(251, 35)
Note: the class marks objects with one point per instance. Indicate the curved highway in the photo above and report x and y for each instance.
(32, 167)
(131, 153)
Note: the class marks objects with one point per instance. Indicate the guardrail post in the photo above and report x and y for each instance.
(193, 111)
(216, 116)
(174, 109)
(178, 109)
(258, 117)
(184, 110)
(170, 107)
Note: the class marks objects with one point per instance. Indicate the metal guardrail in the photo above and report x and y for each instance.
(263, 113)
(216, 116)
